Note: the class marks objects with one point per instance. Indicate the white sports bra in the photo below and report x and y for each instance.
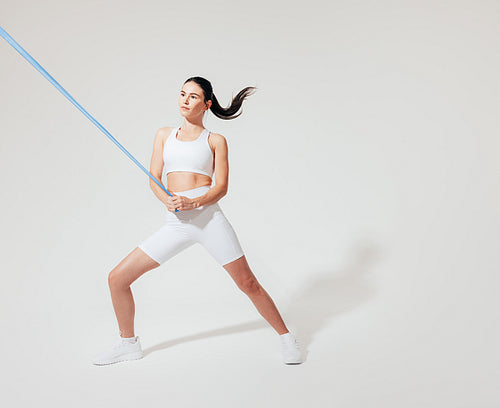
(193, 155)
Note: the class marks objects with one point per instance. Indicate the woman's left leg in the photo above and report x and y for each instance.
(246, 281)
(215, 233)
(213, 230)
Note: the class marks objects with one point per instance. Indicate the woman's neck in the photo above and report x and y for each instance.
(192, 128)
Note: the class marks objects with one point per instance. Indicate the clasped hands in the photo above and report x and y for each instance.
(180, 203)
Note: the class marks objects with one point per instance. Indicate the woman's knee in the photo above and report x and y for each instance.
(130, 268)
(117, 279)
(250, 286)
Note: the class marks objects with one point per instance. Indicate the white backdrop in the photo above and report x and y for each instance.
(364, 189)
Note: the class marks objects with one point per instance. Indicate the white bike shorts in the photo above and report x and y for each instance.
(206, 224)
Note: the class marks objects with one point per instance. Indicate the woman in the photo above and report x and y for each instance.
(189, 155)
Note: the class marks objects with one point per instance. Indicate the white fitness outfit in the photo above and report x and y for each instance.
(206, 225)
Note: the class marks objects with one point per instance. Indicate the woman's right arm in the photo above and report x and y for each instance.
(156, 166)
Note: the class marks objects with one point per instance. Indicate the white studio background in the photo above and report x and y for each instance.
(364, 189)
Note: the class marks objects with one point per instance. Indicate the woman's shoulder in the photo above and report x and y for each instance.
(217, 141)
(164, 132)
(166, 129)
(217, 137)
(162, 135)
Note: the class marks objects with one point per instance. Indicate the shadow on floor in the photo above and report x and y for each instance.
(321, 297)
(237, 328)
(326, 294)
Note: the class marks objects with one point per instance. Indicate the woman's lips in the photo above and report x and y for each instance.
(183, 107)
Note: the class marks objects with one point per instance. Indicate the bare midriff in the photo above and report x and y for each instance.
(186, 180)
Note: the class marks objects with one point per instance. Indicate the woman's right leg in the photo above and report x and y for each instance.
(120, 278)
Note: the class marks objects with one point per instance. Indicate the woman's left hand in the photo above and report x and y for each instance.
(182, 203)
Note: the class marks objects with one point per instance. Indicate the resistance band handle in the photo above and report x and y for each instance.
(28, 57)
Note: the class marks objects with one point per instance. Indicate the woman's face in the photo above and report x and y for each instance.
(191, 100)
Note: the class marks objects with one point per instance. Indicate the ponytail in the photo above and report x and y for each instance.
(231, 112)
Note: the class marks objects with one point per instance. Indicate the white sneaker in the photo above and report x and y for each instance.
(290, 349)
(120, 350)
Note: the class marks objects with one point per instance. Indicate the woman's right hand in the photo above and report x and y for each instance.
(170, 204)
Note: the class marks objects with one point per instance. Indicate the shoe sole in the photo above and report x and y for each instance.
(126, 357)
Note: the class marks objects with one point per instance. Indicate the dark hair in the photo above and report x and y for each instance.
(208, 95)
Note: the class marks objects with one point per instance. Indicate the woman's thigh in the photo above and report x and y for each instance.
(220, 240)
(166, 242)
(135, 264)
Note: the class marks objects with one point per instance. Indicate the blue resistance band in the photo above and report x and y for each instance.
(28, 57)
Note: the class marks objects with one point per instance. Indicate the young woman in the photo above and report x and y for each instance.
(189, 155)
